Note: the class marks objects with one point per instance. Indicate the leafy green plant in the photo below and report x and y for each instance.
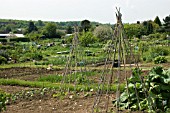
(155, 52)
(160, 59)
(3, 60)
(87, 38)
(31, 56)
(3, 99)
(151, 95)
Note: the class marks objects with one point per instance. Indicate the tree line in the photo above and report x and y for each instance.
(39, 29)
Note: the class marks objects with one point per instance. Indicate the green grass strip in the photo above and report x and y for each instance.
(37, 84)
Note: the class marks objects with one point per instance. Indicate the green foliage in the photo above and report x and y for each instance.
(157, 21)
(31, 56)
(85, 25)
(50, 30)
(109, 46)
(149, 28)
(79, 78)
(60, 33)
(3, 56)
(87, 38)
(33, 36)
(3, 40)
(155, 52)
(69, 39)
(3, 60)
(69, 30)
(157, 36)
(40, 23)
(38, 84)
(55, 61)
(160, 59)
(143, 46)
(51, 78)
(20, 39)
(157, 83)
(31, 27)
(5, 47)
(136, 30)
(167, 24)
(3, 99)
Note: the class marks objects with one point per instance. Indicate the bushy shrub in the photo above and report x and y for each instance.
(157, 36)
(87, 38)
(3, 60)
(143, 46)
(3, 98)
(3, 40)
(34, 36)
(155, 52)
(160, 59)
(4, 47)
(19, 39)
(4, 53)
(31, 56)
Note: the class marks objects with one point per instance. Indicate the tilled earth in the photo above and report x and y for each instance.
(47, 103)
(69, 104)
(26, 73)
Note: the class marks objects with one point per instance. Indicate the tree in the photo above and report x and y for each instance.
(103, 32)
(136, 30)
(85, 25)
(69, 30)
(39, 23)
(50, 30)
(31, 27)
(60, 33)
(33, 36)
(149, 27)
(157, 21)
(167, 23)
(8, 29)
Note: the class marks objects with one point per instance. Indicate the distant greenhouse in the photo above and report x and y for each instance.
(11, 35)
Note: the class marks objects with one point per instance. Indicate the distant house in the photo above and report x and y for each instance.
(11, 35)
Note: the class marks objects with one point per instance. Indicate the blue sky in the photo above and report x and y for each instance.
(95, 10)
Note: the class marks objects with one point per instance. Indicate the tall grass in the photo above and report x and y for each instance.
(80, 78)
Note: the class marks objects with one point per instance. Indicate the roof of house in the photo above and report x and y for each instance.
(4, 34)
(19, 35)
(8, 35)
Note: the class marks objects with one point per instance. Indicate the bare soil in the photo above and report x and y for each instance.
(26, 73)
(48, 104)
(77, 104)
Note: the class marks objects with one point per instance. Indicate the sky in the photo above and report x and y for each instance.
(102, 11)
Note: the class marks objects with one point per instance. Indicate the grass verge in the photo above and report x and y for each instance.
(71, 87)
